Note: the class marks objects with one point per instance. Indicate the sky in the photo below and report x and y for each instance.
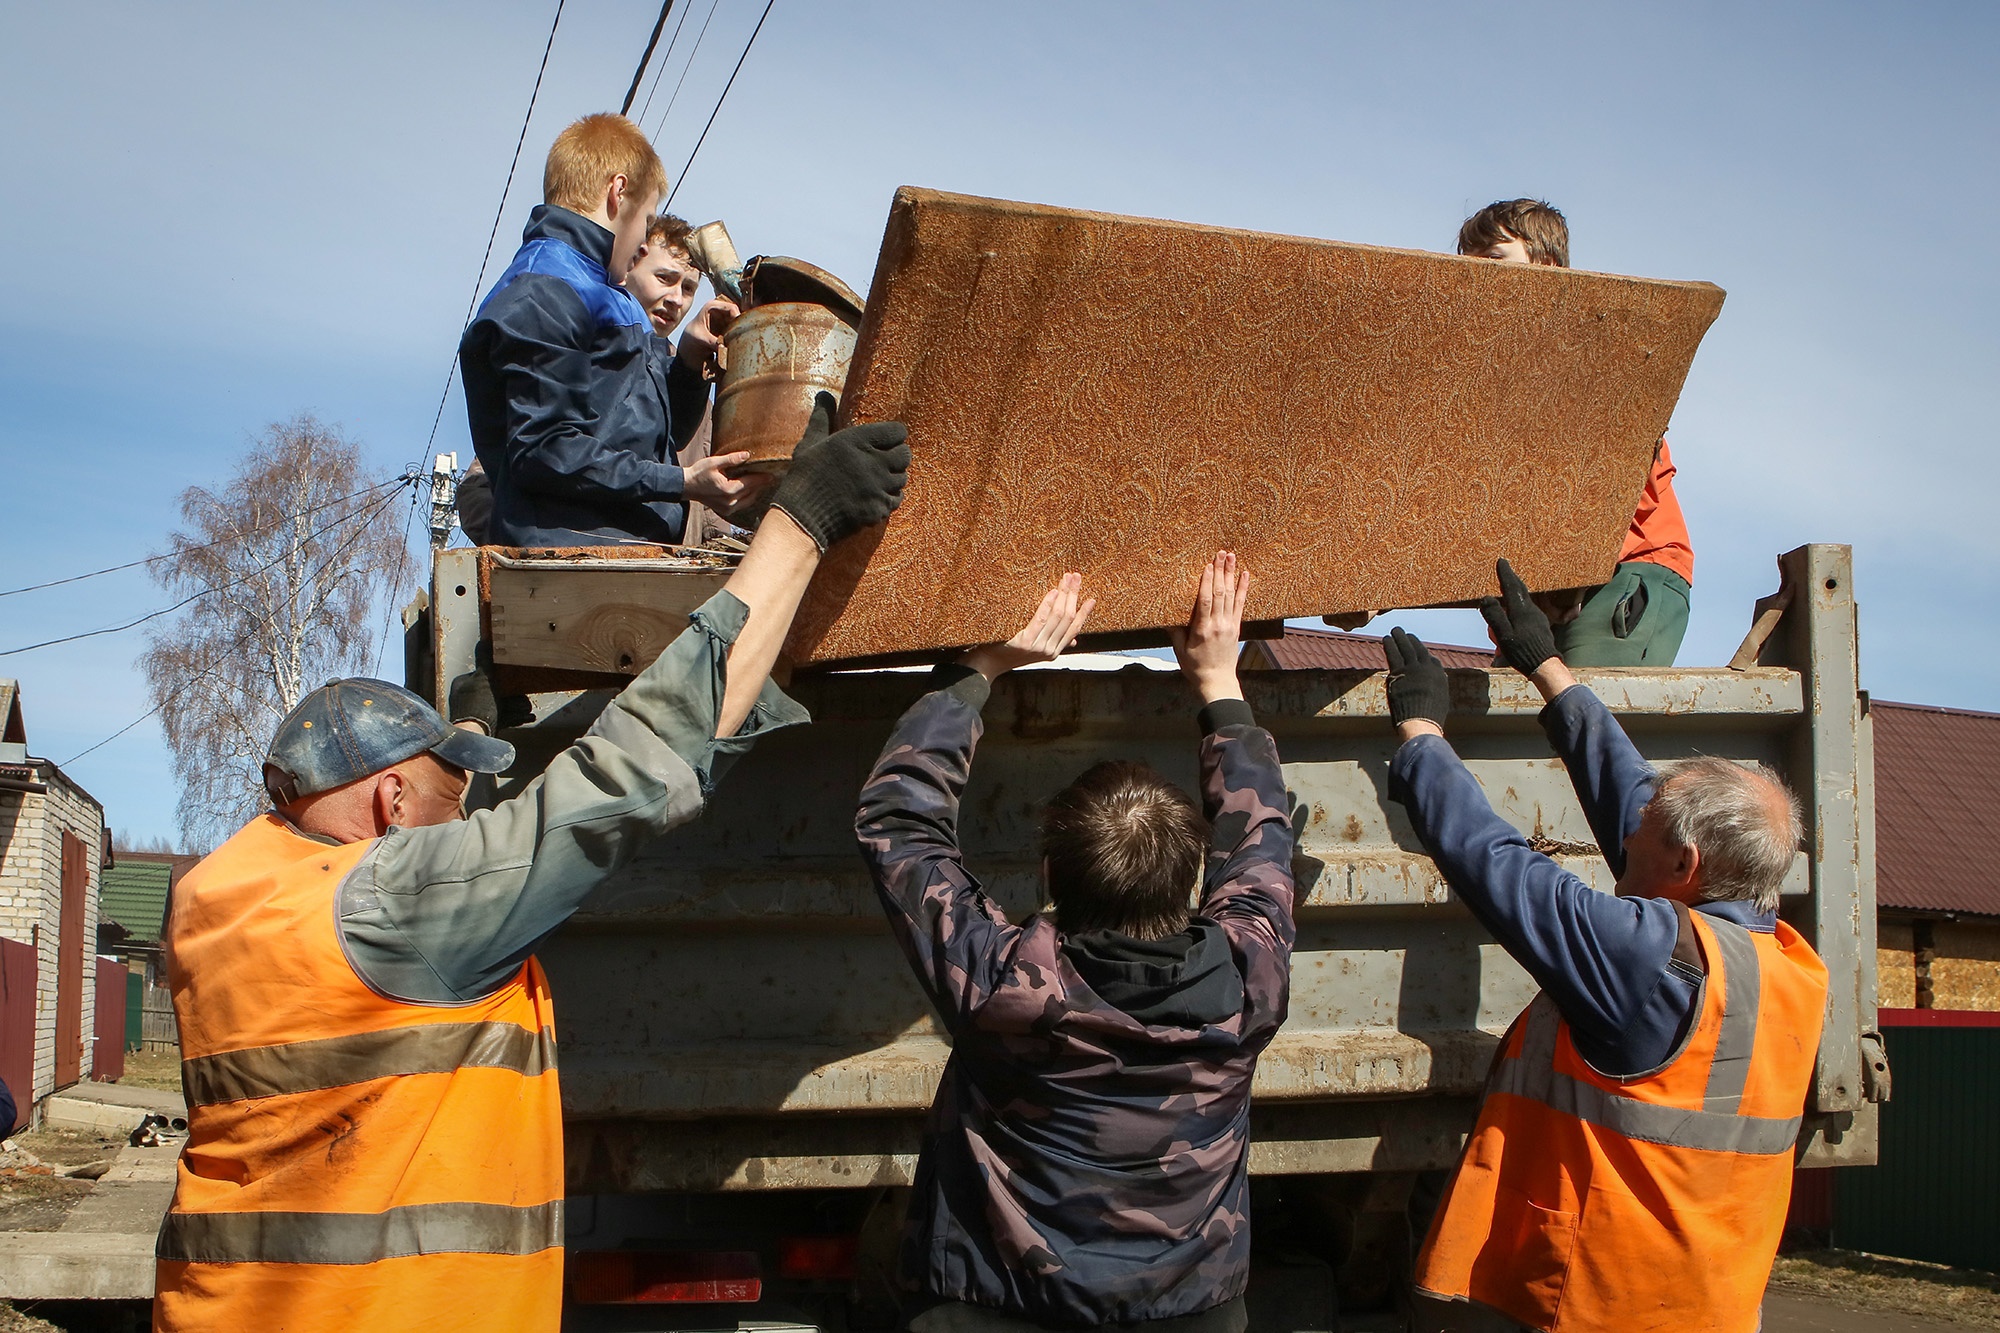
(222, 215)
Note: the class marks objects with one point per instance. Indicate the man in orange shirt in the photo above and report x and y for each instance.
(1638, 618)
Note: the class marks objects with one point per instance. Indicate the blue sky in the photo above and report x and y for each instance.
(221, 215)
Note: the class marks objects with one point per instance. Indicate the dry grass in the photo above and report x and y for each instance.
(13, 1321)
(1905, 1286)
(160, 1070)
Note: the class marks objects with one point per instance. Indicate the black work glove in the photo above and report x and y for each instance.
(839, 484)
(472, 698)
(1519, 626)
(1417, 684)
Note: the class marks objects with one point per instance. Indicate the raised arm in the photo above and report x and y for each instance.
(1247, 883)
(957, 941)
(448, 912)
(1597, 956)
(1612, 781)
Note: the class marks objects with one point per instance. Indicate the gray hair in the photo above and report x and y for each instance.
(1743, 820)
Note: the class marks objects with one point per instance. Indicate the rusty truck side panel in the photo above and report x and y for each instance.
(735, 1015)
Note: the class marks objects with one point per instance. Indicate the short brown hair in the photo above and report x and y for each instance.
(1537, 223)
(585, 157)
(1124, 849)
(669, 230)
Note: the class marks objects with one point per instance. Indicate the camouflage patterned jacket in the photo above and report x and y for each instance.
(1082, 1166)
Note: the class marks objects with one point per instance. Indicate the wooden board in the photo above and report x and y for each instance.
(1367, 427)
(610, 617)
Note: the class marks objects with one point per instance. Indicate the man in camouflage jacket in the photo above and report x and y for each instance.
(1086, 1160)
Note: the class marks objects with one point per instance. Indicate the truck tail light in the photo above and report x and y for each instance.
(817, 1257)
(646, 1277)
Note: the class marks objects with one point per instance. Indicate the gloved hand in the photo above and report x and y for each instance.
(839, 484)
(472, 698)
(1418, 687)
(1520, 628)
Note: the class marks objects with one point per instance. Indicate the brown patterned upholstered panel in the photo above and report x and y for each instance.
(1367, 427)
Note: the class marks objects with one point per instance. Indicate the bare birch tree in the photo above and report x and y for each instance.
(293, 561)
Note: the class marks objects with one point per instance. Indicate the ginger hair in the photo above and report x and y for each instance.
(585, 157)
(1537, 223)
(669, 230)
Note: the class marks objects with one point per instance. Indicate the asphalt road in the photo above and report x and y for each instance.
(1785, 1313)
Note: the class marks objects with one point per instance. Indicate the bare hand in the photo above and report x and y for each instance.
(701, 340)
(1054, 628)
(707, 481)
(1208, 647)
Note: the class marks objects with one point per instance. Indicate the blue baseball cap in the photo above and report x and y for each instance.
(347, 729)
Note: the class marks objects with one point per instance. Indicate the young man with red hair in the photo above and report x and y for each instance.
(573, 432)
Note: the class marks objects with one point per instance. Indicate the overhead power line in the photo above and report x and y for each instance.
(215, 663)
(205, 592)
(693, 51)
(719, 101)
(666, 59)
(646, 59)
(505, 190)
(238, 535)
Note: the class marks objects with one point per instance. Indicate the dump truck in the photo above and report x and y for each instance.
(746, 1061)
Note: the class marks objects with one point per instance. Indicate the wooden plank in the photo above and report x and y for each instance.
(611, 617)
(1367, 427)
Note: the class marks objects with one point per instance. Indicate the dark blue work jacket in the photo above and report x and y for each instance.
(577, 411)
(1606, 962)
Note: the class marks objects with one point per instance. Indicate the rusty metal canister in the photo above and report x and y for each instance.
(777, 357)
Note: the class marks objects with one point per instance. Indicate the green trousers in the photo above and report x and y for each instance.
(1637, 619)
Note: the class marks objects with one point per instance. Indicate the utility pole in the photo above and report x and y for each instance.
(444, 491)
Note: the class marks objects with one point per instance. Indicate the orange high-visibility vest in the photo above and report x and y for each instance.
(1654, 1202)
(353, 1160)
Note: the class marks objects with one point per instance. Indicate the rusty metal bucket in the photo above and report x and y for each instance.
(777, 357)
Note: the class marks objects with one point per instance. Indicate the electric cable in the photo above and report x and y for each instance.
(666, 59)
(388, 621)
(234, 536)
(665, 9)
(693, 51)
(719, 101)
(214, 663)
(507, 189)
(408, 479)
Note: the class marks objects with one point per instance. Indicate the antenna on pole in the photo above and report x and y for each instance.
(444, 494)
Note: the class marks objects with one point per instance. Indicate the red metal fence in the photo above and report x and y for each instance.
(107, 1049)
(17, 1022)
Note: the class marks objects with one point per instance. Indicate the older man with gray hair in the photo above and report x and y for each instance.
(1631, 1165)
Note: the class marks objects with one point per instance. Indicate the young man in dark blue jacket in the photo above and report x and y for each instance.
(1087, 1158)
(573, 427)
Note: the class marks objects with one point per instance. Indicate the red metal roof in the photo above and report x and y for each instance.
(1336, 650)
(1937, 809)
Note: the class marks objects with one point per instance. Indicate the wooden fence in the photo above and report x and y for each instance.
(157, 1029)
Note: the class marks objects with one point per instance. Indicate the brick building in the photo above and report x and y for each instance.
(1937, 857)
(51, 847)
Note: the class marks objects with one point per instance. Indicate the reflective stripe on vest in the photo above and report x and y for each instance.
(1717, 1127)
(360, 1238)
(353, 1159)
(1654, 1201)
(332, 1062)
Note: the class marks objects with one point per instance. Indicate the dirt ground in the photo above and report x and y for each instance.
(33, 1197)
(1902, 1286)
(160, 1070)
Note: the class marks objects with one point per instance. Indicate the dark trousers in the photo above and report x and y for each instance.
(961, 1317)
